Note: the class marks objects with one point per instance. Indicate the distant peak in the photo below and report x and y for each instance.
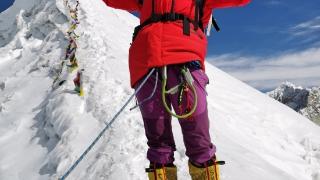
(306, 101)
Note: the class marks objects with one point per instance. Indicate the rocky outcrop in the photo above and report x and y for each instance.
(306, 101)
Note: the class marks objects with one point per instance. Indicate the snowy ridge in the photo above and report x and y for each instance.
(43, 132)
(32, 42)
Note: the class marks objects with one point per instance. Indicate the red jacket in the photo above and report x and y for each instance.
(164, 43)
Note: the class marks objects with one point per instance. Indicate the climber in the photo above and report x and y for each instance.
(71, 52)
(74, 22)
(171, 38)
(78, 82)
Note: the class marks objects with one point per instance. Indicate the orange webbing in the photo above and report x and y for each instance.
(207, 169)
(164, 172)
(155, 172)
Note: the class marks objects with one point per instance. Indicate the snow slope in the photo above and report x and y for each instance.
(42, 132)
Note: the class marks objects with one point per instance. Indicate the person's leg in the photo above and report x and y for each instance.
(195, 129)
(157, 123)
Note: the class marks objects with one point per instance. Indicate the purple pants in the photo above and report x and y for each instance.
(157, 121)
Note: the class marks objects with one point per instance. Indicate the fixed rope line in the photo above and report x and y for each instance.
(148, 98)
(108, 125)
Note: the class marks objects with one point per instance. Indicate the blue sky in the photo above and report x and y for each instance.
(264, 27)
(266, 42)
(269, 42)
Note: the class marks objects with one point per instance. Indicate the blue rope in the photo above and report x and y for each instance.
(105, 128)
(148, 98)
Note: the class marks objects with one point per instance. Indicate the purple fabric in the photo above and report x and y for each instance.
(157, 121)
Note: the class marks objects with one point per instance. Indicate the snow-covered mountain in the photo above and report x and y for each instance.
(42, 132)
(306, 101)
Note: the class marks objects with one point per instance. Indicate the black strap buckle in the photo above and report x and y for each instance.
(194, 64)
(168, 17)
(154, 18)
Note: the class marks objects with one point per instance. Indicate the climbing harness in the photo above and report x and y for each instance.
(108, 125)
(186, 85)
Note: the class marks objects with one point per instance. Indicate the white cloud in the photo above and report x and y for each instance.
(306, 28)
(302, 68)
(312, 24)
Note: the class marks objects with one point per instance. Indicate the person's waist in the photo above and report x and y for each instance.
(192, 65)
(196, 64)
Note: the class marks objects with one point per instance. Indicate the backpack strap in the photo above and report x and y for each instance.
(153, 9)
(198, 14)
(172, 16)
(201, 9)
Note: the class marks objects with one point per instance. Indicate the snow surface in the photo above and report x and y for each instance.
(42, 132)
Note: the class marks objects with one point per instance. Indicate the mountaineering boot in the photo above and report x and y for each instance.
(162, 172)
(205, 171)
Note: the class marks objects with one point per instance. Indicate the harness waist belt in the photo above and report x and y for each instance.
(167, 17)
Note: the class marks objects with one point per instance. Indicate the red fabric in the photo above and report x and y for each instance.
(162, 44)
